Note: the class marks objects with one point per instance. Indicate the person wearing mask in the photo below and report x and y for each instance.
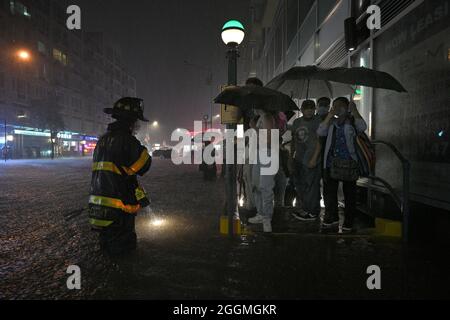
(340, 162)
(307, 172)
(323, 108)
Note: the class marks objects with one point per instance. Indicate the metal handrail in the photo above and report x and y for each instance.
(404, 201)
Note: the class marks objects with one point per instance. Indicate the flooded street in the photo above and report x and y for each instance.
(43, 230)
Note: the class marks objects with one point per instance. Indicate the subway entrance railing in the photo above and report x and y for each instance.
(400, 197)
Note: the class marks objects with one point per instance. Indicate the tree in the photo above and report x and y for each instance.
(48, 117)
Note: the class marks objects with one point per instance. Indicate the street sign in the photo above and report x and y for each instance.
(230, 114)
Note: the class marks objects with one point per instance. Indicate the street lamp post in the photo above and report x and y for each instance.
(232, 35)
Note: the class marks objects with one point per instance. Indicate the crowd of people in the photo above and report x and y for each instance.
(320, 155)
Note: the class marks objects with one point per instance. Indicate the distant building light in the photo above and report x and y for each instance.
(32, 133)
(42, 48)
(441, 134)
(60, 56)
(19, 8)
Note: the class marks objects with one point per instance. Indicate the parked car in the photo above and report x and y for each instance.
(162, 154)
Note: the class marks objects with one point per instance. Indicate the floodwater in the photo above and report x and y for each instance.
(182, 256)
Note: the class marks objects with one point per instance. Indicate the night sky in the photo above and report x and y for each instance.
(156, 37)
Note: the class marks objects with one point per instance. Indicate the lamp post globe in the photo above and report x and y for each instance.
(233, 33)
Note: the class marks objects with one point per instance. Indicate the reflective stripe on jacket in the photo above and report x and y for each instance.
(118, 158)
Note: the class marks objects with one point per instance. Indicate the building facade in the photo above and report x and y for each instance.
(413, 45)
(47, 69)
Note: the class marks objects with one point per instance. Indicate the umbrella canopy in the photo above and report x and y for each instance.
(361, 76)
(254, 97)
(308, 82)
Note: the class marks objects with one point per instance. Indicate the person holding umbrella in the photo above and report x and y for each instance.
(340, 161)
(267, 104)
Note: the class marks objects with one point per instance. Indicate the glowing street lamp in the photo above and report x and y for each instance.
(23, 55)
(233, 33)
(155, 123)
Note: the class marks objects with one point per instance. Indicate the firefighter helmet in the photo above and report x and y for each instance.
(132, 108)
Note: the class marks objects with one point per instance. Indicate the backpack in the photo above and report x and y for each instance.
(365, 151)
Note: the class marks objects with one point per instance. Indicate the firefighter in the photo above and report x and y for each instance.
(115, 195)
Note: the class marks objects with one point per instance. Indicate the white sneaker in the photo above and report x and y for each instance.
(267, 226)
(256, 219)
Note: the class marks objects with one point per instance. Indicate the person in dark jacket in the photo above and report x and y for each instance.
(115, 194)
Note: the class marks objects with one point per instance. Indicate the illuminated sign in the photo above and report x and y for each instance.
(32, 133)
(89, 138)
(62, 135)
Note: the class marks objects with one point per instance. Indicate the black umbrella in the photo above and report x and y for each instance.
(254, 97)
(306, 82)
(366, 77)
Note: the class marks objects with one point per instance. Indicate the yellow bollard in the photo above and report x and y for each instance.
(223, 225)
(389, 228)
